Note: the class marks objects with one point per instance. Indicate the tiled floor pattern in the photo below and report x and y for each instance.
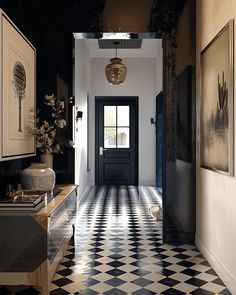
(118, 250)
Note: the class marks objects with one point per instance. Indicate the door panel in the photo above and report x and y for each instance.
(117, 140)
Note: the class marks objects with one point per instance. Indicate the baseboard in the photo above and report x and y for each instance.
(84, 193)
(218, 267)
(147, 183)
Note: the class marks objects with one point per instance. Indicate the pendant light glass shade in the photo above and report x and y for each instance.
(116, 71)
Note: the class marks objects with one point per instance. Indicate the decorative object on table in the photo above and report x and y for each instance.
(217, 103)
(26, 201)
(46, 131)
(18, 91)
(38, 177)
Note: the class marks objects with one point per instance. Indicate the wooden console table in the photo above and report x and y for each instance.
(32, 245)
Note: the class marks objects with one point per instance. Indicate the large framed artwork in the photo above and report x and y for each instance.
(217, 136)
(17, 82)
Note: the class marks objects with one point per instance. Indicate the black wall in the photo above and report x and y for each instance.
(39, 22)
(179, 191)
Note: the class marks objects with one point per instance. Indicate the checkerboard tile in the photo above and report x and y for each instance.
(118, 249)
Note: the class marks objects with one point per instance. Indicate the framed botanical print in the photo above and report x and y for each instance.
(17, 80)
(217, 104)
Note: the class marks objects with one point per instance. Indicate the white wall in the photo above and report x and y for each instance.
(82, 88)
(141, 81)
(216, 193)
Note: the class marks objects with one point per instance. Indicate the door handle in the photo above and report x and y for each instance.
(101, 150)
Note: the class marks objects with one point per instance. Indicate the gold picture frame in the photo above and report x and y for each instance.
(17, 83)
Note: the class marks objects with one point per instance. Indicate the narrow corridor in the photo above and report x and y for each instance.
(118, 250)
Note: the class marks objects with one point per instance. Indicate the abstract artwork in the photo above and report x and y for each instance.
(217, 103)
(18, 92)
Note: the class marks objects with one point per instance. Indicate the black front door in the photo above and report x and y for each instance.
(116, 140)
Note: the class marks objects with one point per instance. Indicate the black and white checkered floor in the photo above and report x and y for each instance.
(118, 249)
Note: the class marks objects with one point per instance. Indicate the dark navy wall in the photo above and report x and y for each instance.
(179, 190)
(53, 74)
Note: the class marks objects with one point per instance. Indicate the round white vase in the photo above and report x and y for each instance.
(38, 177)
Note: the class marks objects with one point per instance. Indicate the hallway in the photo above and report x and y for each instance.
(118, 250)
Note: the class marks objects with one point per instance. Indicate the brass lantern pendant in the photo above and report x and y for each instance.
(116, 71)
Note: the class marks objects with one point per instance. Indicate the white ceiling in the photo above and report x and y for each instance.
(150, 48)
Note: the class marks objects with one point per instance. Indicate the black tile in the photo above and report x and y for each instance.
(190, 272)
(211, 272)
(140, 272)
(90, 282)
(139, 263)
(178, 249)
(116, 263)
(115, 272)
(196, 282)
(59, 291)
(160, 256)
(115, 282)
(142, 282)
(162, 263)
(68, 263)
(138, 256)
(87, 292)
(166, 272)
(70, 256)
(200, 291)
(65, 272)
(62, 282)
(218, 281)
(116, 256)
(172, 291)
(115, 291)
(169, 282)
(144, 291)
(185, 263)
(225, 292)
(181, 256)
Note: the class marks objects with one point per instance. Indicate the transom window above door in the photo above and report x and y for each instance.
(116, 126)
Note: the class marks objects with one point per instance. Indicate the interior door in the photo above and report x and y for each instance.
(116, 140)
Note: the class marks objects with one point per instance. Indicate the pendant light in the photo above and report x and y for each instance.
(116, 71)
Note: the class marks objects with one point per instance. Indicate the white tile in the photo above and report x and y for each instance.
(213, 287)
(184, 287)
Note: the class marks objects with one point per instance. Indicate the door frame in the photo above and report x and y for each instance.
(133, 99)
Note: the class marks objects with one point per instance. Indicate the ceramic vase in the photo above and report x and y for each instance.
(47, 159)
(38, 177)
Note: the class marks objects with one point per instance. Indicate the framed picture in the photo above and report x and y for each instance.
(17, 82)
(217, 136)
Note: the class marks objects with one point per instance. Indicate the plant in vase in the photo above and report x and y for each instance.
(45, 131)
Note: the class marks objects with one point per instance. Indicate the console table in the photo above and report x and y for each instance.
(31, 245)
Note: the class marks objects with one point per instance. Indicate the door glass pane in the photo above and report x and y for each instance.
(109, 137)
(123, 137)
(123, 116)
(110, 116)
